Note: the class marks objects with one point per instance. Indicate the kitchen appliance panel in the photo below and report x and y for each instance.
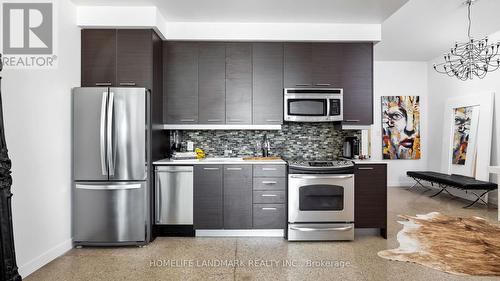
(313, 104)
(296, 182)
(110, 213)
(89, 133)
(127, 134)
(321, 232)
(174, 195)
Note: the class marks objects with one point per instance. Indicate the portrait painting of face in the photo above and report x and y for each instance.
(401, 127)
(461, 134)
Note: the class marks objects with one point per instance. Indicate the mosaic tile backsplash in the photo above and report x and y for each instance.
(295, 140)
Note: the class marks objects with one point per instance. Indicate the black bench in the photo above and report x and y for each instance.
(444, 181)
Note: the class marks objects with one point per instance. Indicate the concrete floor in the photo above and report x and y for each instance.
(355, 260)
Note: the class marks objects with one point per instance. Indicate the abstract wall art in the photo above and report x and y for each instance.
(461, 134)
(401, 127)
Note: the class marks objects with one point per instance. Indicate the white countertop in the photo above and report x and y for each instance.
(369, 161)
(494, 169)
(366, 161)
(221, 161)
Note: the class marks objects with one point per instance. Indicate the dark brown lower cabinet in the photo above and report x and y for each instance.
(269, 216)
(237, 196)
(232, 197)
(207, 191)
(370, 210)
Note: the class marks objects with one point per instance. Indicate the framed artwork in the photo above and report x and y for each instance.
(467, 134)
(401, 127)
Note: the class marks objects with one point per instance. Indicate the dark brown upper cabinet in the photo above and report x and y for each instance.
(98, 57)
(134, 56)
(212, 83)
(357, 82)
(313, 65)
(267, 83)
(238, 83)
(298, 65)
(117, 58)
(327, 65)
(181, 82)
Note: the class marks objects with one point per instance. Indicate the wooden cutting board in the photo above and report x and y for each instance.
(262, 158)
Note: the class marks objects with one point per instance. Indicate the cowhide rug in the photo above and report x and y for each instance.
(462, 246)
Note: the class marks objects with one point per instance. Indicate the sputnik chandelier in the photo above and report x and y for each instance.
(473, 58)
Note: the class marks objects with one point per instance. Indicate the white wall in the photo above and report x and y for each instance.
(442, 88)
(37, 125)
(393, 79)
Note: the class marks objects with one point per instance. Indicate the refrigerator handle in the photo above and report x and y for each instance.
(104, 166)
(111, 160)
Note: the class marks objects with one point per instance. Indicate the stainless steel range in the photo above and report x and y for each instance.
(320, 200)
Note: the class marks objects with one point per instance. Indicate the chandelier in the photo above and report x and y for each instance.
(473, 58)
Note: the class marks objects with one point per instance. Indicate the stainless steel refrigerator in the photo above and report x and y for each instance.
(110, 166)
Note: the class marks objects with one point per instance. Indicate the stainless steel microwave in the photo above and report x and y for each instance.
(313, 104)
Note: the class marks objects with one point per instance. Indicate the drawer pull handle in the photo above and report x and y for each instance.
(302, 85)
(214, 120)
(323, 84)
(347, 228)
(268, 169)
(103, 84)
(234, 169)
(269, 209)
(127, 83)
(269, 182)
(211, 169)
(187, 120)
(273, 120)
(365, 168)
(269, 195)
(352, 120)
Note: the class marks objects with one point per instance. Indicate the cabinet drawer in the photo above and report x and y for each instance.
(269, 171)
(271, 197)
(269, 183)
(269, 216)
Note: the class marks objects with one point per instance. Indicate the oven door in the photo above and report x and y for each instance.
(320, 198)
(306, 109)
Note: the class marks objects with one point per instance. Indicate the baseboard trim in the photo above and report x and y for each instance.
(43, 259)
(240, 233)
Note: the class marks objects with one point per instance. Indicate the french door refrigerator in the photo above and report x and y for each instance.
(110, 166)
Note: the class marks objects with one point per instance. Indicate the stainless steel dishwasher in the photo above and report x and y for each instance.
(174, 195)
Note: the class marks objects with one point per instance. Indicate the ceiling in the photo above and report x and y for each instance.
(425, 29)
(267, 11)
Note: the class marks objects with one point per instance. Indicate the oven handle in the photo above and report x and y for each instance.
(346, 228)
(320, 177)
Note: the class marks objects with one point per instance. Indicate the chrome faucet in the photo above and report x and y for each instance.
(265, 146)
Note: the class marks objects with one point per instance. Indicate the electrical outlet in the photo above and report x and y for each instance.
(190, 146)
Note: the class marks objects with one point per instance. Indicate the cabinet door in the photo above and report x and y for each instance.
(298, 65)
(207, 192)
(357, 81)
(98, 57)
(237, 196)
(238, 83)
(267, 83)
(134, 57)
(327, 65)
(181, 74)
(212, 83)
(370, 207)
